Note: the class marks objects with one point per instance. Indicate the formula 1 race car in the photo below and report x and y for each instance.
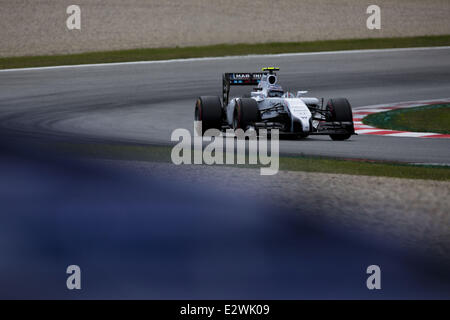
(270, 107)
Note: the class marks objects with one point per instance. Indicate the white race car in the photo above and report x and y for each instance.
(268, 106)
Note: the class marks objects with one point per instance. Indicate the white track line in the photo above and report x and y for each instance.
(412, 134)
(228, 58)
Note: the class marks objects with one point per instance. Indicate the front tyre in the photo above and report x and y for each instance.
(340, 110)
(340, 137)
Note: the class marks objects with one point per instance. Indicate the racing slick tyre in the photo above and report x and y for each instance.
(245, 114)
(208, 110)
(341, 110)
(340, 137)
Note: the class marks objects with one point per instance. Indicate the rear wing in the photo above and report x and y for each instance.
(239, 79)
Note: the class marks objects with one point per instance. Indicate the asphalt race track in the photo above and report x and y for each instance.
(145, 102)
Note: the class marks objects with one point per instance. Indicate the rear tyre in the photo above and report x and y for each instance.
(341, 110)
(208, 110)
(246, 113)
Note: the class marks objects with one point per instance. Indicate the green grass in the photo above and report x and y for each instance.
(221, 50)
(435, 118)
(366, 168)
(301, 163)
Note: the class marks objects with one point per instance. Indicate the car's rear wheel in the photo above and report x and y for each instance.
(246, 113)
(341, 110)
(208, 110)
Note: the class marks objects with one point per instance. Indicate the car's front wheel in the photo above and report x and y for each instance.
(340, 110)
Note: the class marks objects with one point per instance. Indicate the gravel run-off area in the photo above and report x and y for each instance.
(38, 27)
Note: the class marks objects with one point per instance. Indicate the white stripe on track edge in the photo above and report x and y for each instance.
(226, 58)
(411, 134)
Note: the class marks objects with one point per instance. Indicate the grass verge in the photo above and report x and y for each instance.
(301, 163)
(221, 50)
(365, 168)
(434, 118)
